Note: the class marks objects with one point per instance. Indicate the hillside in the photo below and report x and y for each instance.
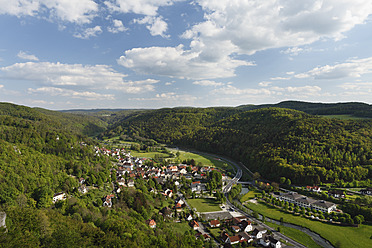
(350, 108)
(273, 141)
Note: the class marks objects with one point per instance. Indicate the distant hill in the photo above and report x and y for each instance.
(349, 108)
(273, 141)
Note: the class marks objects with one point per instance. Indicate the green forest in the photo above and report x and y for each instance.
(43, 152)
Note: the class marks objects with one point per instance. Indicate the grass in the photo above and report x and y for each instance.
(148, 154)
(250, 195)
(345, 117)
(180, 227)
(344, 236)
(204, 204)
(204, 160)
(296, 235)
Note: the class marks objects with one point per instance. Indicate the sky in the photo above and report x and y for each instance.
(88, 54)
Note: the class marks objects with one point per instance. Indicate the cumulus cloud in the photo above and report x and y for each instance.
(351, 68)
(58, 75)
(26, 56)
(177, 62)
(156, 25)
(365, 86)
(207, 83)
(170, 99)
(89, 32)
(143, 7)
(304, 91)
(81, 12)
(87, 95)
(251, 26)
(117, 27)
(264, 84)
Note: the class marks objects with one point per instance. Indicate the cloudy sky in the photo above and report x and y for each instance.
(68, 54)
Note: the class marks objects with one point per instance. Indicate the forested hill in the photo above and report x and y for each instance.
(276, 142)
(350, 108)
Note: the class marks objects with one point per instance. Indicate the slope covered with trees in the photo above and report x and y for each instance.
(276, 142)
(45, 152)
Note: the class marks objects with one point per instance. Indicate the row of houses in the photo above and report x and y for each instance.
(244, 231)
(307, 202)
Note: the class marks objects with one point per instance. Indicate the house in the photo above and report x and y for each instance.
(336, 193)
(166, 212)
(151, 223)
(168, 193)
(235, 228)
(246, 226)
(233, 239)
(307, 202)
(107, 201)
(83, 189)
(189, 217)
(59, 197)
(258, 232)
(130, 183)
(275, 242)
(206, 237)
(214, 223)
(264, 241)
(366, 191)
(324, 206)
(194, 225)
(313, 188)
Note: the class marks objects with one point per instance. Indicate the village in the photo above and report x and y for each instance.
(179, 183)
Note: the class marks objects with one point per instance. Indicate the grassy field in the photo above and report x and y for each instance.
(204, 204)
(345, 117)
(205, 160)
(296, 235)
(338, 235)
(181, 227)
(148, 154)
(250, 195)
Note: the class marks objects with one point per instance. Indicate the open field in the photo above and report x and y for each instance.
(296, 235)
(204, 204)
(181, 227)
(148, 154)
(250, 195)
(343, 236)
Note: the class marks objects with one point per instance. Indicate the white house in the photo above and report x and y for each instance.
(59, 197)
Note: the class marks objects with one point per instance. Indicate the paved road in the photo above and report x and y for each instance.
(228, 187)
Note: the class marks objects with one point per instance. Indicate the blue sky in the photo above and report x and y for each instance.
(68, 54)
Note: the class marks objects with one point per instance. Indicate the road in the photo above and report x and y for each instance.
(228, 187)
(226, 191)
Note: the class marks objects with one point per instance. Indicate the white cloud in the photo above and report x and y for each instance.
(207, 83)
(177, 62)
(142, 7)
(80, 12)
(255, 25)
(264, 84)
(351, 68)
(62, 74)
(117, 27)
(87, 95)
(156, 25)
(170, 99)
(94, 77)
(1, 86)
(26, 56)
(304, 91)
(365, 86)
(280, 78)
(89, 32)
(134, 87)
